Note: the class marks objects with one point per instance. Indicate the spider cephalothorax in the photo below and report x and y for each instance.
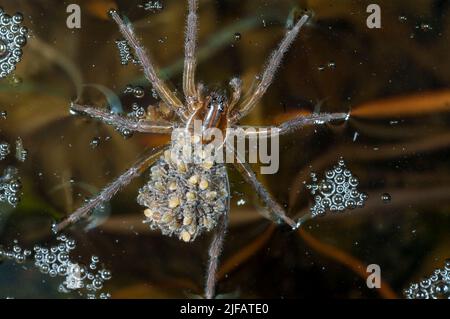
(188, 190)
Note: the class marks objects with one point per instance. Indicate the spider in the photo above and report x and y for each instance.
(188, 199)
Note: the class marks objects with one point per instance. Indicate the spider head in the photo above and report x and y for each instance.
(215, 109)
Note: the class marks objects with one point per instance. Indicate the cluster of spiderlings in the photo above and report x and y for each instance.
(10, 187)
(437, 286)
(13, 37)
(337, 192)
(4, 150)
(137, 91)
(125, 53)
(185, 198)
(17, 254)
(55, 261)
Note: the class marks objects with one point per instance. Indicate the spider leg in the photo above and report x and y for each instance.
(268, 74)
(294, 124)
(149, 70)
(109, 191)
(236, 87)
(190, 61)
(249, 176)
(123, 122)
(215, 249)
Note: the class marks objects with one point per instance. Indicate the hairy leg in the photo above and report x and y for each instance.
(149, 70)
(294, 124)
(190, 62)
(236, 87)
(109, 191)
(215, 249)
(268, 74)
(275, 209)
(123, 122)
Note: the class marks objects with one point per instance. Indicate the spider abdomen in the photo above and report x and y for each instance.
(184, 198)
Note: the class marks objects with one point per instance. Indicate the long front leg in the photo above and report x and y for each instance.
(108, 192)
(249, 176)
(149, 70)
(268, 74)
(294, 124)
(123, 122)
(190, 62)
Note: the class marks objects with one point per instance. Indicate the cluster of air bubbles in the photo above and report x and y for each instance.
(125, 53)
(56, 262)
(437, 286)
(138, 113)
(21, 151)
(10, 187)
(152, 6)
(3, 115)
(5, 150)
(13, 36)
(17, 254)
(137, 91)
(337, 192)
(237, 36)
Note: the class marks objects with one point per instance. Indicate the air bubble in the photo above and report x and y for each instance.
(386, 198)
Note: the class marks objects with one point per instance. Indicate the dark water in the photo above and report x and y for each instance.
(394, 81)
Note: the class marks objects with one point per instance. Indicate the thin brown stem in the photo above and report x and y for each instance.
(108, 192)
(150, 72)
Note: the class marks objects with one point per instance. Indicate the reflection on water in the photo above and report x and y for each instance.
(394, 82)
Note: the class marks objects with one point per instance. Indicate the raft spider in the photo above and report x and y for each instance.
(186, 199)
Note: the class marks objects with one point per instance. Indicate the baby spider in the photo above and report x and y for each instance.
(185, 197)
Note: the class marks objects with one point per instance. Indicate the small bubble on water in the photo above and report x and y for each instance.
(386, 198)
(95, 142)
(425, 27)
(331, 65)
